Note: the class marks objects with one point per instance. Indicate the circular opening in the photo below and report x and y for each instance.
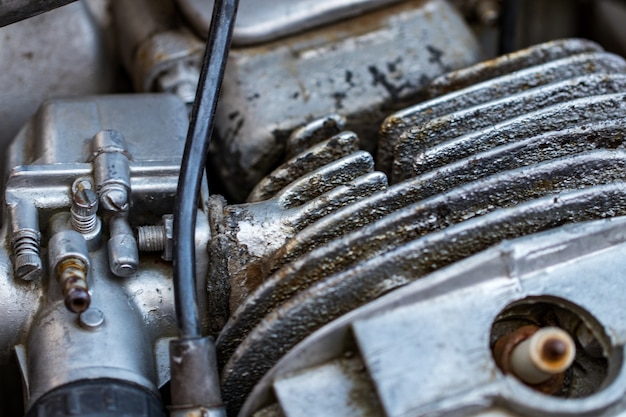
(518, 323)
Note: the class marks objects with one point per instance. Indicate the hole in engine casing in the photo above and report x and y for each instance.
(595, 360)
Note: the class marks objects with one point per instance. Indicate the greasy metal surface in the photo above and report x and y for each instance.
(583, 110)
(442, 129)
(531, 255)
(521, 82)
(540, 157)
(332, 175)
(609, 134)
(534, 55)
(266, 20)
(386, 57)
(427, 216)
(319, 155)
(337, 294)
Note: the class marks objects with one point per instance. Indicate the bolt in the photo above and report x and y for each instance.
(91, 318)
(84, 207)
(157, 238)
(72, 273)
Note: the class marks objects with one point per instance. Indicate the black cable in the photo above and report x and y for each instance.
(193, 163)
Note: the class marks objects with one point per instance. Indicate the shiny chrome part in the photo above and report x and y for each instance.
(266, 20)
(388, 57)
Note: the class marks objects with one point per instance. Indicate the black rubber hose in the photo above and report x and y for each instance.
(193, 164)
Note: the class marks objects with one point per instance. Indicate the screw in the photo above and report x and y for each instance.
(25, 236)
(27, 261)
(114, 197)
(72, 273)
(151, 238)
(157, 238)
(84, 207)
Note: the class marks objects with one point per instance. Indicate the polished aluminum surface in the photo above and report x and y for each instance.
(266, 20)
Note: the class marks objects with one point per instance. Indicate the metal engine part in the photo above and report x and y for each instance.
(80, 305)
(525, 143)
(413, 242)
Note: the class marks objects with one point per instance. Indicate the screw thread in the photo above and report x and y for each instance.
(26, 248)
(73, 279)
(151, 238)
(84, 207)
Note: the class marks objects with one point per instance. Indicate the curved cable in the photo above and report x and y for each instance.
(193, 163)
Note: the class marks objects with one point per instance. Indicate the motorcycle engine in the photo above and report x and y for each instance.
(410, 208)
